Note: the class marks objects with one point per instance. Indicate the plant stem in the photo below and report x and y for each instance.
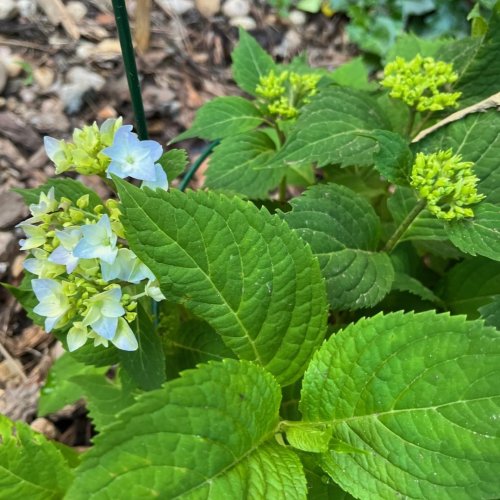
(402, 228)
(123, 28)
(196, 165)
(411, 122)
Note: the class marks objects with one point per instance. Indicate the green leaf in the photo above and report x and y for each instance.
(25, 296)
(58, 389)
(477, 138)
(30, 465)
(480, 235)
(418, 393)
(394, 158)
(333, 129)
(460, 53)
(343, 231)
(174, 162)
(250, 62)
(203, 435)
(470, 285)
(146, 365)
(491, 312)
(105, 398)
(409, 45)
(405, 283)
(235, 165)
(308, 437)
(237, 267)
(425, 227)
(353, 74)
(223, 117)
(482, 74)
(66, 187)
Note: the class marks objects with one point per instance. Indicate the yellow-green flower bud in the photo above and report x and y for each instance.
(83, 201)
(418, 82)
(447, 183)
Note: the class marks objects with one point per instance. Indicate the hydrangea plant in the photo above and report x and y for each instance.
(326, 319)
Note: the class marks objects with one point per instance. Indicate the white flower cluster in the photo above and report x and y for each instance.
(87, 279)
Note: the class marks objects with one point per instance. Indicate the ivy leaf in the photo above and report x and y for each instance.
(67, 188)
(58, 389)
(333, 129)
(470, 285)
(208, 433)
(343, 231)
(30, 465)
(477, 138)
(425, 227)
(235, 165)
(239, 268)
(418, 393)
(174, 162)
(223, 117)
(480, 235)
(146, 365)
(394, 158)
(250, 62)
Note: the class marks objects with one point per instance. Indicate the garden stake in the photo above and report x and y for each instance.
(196, 165)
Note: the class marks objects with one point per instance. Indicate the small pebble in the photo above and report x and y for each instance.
(245, 22)
(179, 7)
(8, 10)
(236, 8)
(77, 10)
(297, 17)
(44, 76)
(207, 8)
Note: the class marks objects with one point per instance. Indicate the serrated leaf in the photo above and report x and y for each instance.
(482, 74)
(239, 268)
(30, 465)
(409, 45)
(105, 398)
(419, 394)
(425, 226)
(174, 162)
(223, 117)
(477, 138)
(207, 432)
(250, 62)
(459, 53)
(58, 389)
(308, 438)
(405, 283)
(343, 231)
(146, 365)
(333, 128)
(235, 165)
(353, 74)
(491, 312)
(479, 235)
(66, 187)
(393, 158)
(470, 285)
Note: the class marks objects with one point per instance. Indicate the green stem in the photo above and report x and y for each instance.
(196, 165)
(411, 122)
(402, 228)
(123, 28)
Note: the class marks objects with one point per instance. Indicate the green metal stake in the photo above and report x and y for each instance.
(196, 165)
(123, 27)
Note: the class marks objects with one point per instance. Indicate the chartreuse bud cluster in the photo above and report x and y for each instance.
(447, 183)
(109, 149)
(420, 82)
(283, 94)
(82, 269)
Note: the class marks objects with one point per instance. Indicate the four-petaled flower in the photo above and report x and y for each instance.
(53, 301)
(98, 241)
(63, 254)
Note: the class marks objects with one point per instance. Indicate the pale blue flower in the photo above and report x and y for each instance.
(36, 236)
(124, 338)
(63, 254)
(152, 289)
(47, 204)
(131, 157)
(77, 336)
(161, 181)
(103, 312)
(98, 241)
(40, 265)
(126, 267)
(54, 149)
(53, 301)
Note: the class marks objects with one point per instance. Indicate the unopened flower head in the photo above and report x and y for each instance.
(420, 83)
(283, 94)
(447, 183)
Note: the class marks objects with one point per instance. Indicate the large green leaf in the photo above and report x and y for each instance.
(223, 117)
(207, 434)
(343, 231)
(481, 76)
(418, 395)
(239, 268)
(491, 312)
(333, 129)
(174, 162)
(250, 62)
(470, 285)
(234, 165)
(480, 235)
(477, 138)
(30, 465)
